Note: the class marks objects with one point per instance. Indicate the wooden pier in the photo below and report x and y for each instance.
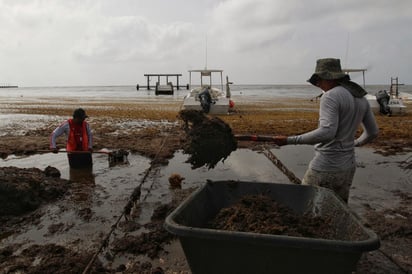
(166, 87)
(8, 86)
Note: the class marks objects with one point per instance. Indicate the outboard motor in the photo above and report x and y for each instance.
(383, 97)
(205, 100)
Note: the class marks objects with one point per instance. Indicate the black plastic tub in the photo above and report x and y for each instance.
(220, 251)
(80, 160)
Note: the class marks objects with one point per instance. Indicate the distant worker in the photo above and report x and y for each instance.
(79, 140)
(343, 108)
(383, 97)
(205, 99)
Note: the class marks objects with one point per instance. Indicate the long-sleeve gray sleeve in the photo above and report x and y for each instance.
(327, 127)
(370, 129)
(64, 128)
(340, 116)
(89, 135)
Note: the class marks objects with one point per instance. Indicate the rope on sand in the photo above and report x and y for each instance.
(126, 210)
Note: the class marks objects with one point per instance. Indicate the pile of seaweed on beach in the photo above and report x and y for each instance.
(260, 214)
(209, 140)
(23, 190)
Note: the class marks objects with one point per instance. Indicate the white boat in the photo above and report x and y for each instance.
(391, 100)
(219, 101)
(395, 105)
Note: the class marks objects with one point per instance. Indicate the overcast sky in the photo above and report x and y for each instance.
(115, 42)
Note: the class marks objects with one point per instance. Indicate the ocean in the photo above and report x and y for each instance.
(130, 92)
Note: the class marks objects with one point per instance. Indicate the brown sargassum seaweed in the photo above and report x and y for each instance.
(209, 139)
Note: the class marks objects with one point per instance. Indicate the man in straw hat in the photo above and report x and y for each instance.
(343, 109)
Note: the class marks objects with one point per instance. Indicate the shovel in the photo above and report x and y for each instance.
(211, 140)
(115, 156)
(255, 138)
(269, 154)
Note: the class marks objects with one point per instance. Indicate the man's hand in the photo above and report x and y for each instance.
(280, 140)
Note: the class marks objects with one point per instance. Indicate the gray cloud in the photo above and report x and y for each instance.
(255, 41)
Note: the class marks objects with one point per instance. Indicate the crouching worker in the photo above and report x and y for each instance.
(79, 140)
(205, 99)
(383, 100)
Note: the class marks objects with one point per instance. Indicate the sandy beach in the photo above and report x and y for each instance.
(101, 201)
(141, 123)
(89, 219)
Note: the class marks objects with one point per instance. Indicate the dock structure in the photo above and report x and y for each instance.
(8, 86)
(393, 90)
(166, 87)
(347, 71)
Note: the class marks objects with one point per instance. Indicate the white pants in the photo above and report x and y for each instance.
(338, 181)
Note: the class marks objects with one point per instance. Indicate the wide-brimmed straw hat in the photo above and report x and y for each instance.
(328, 69)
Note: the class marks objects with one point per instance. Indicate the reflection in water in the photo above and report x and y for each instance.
(83, 184)
(84, 175)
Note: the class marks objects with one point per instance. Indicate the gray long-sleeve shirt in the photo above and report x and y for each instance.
(339, 118)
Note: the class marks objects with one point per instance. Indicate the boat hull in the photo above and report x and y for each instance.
(220, 106)
(164, 89)
(395, 104)
(208, 97)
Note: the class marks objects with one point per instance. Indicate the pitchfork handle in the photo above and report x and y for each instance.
(255, 138)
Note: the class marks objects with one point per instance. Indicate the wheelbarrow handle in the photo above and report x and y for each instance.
(255, 138)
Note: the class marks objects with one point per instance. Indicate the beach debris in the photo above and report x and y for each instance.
(175, 180)
(52, 258)
(134, 198)
(118, 157)
(50, 171)
(23, 190)
(260, 214)
(152, 241)
(209, 140)
(192, 117)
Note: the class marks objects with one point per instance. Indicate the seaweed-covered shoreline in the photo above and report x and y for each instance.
(154, 130)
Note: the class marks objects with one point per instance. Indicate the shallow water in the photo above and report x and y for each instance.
(96, 200)
(19, 124)
(100, 194)
(375, 180)
(44, 94)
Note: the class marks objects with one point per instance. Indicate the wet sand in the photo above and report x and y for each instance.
(142, 125)
(83, 220)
